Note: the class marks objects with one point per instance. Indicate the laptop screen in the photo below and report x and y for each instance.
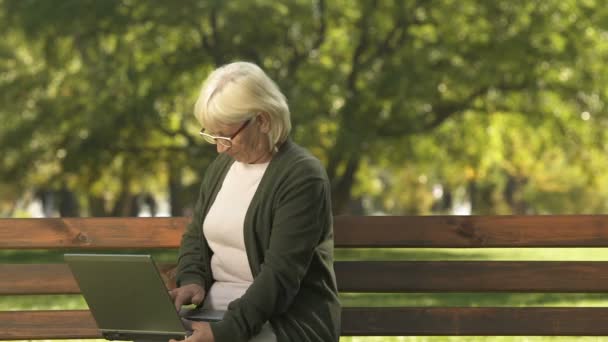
(126, 295)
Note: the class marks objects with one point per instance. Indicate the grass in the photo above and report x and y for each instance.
(377, 299)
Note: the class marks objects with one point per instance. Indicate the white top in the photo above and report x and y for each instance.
(223, 228)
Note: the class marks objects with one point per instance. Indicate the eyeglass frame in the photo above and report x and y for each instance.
(224, 141)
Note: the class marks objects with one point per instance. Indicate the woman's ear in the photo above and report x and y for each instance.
(263, 120)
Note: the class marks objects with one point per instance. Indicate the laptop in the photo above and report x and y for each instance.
(129, 300)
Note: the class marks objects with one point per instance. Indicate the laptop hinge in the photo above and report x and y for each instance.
(130, 335)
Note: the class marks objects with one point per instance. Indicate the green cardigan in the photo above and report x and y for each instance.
(289, 244)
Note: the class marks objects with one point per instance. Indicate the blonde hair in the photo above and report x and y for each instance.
(236, 92)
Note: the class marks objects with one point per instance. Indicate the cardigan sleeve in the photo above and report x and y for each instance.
(190, 268)
(301, 215)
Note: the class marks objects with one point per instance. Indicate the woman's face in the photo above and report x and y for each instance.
(251, 144)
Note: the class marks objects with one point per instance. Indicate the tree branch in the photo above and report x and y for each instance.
(446, 109)
(336, 153)
(394, 39)
(217, 58)
(362, 25)
(209, 43)
(298, 56)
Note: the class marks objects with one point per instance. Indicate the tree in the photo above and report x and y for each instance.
(97, 96)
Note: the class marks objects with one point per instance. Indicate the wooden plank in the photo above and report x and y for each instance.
(472, 231)
(65, 233)
(55, 324)
(49, 279)
(472, 276)
(21, 279)
(409, 321)
(489, 321)
(350, 231)
(377, 276)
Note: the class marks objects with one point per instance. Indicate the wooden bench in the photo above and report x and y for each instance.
(364, 276)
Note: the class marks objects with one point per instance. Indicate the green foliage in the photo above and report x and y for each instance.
(499, 103)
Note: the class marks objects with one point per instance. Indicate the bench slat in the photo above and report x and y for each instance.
(472, 231)
(49, 324)
(377, 276)
(472, 276)
(350, 231)
(26, 279)
(110, 232)
(413, 321)
(50, 279)
(489, 321)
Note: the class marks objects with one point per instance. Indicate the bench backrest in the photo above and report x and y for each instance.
(361, 276)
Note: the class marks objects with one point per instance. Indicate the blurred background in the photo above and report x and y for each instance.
(414, 107)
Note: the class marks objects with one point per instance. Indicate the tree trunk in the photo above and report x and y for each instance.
(513, 196)
(124, 205)
(68, 203)
(472, 191)
(342, 186)
(175, 191)
(125, 202)
(97, 206)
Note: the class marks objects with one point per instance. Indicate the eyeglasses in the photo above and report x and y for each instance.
(224, 141)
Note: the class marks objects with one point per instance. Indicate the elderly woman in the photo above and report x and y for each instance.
(260, 244)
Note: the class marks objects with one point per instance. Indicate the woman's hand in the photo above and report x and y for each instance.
(201, 332)
(187, 294)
